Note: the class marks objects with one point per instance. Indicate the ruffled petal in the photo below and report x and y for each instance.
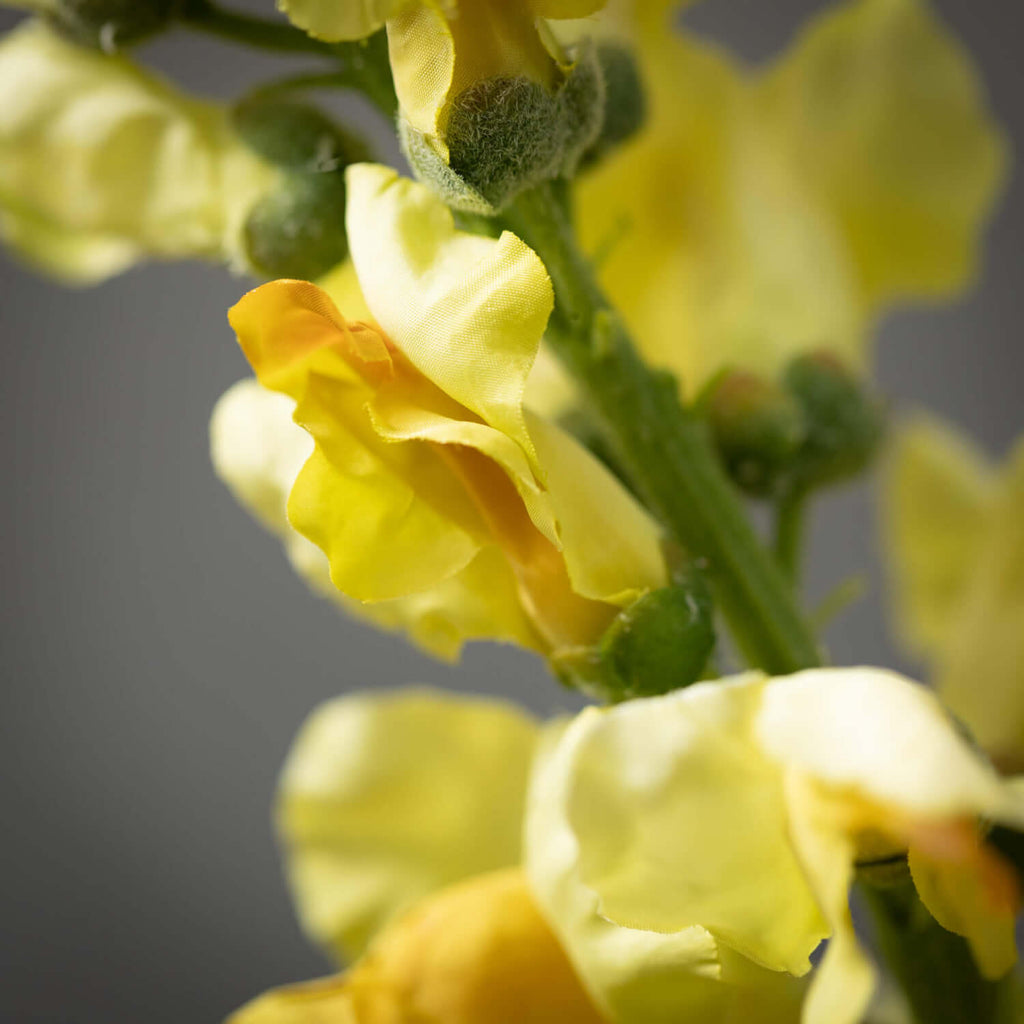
(388, 797)
(636, 975)
(467, 311)
(875, 735)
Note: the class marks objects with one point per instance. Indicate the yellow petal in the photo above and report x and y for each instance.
(101, 164)
(468, 312)
(611, 545)
(960, 896)
(845, 980)
(980, 670)
(390, 518)
(939, 492)
(637, 976)
(334, 20)
(875, 734)
(388, 797)
(325, 1001)
(888, 119)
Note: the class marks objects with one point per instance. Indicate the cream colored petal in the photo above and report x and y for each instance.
(938, 497)
(387, 797)
(611, 545)
(980, 672)
(888, 121)
(636, 976)
(334, 20)
(98, 159)
(845, 980)
(880, 736)
(467, 311)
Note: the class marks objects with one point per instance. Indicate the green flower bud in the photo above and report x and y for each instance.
(506, 134)
(625, 103)
(298, 231)
(109, 24)
(844, 424)
(296, 135)
(757, 427)
(661, 642)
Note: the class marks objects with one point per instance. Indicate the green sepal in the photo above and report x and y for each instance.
(625, 103)
(661, 642)
(109, 25)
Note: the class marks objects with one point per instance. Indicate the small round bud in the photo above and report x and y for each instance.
(661, 642)
(110, 24)
(757, 427)
(625, 101)
(298, 231)
(296, 135)
(844, 423)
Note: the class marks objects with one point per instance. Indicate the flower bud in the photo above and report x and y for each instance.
(757, 427)
(508, 133)
(661, 642)
(625, 101)
(844, 424)
(110, 24)
(296, 135)
(298, 230)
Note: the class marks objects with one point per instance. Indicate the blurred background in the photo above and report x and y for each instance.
(159, 655)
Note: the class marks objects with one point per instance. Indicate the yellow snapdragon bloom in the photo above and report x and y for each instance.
(763, 213)
(401, 819)
(955, 526)
(102, 165)
(427, 467)
(721, 826)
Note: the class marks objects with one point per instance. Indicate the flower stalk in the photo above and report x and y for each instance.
(665, 448)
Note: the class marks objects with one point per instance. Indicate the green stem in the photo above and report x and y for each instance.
(790, 519)
(934, 967)
(364, 62)
(664, 447)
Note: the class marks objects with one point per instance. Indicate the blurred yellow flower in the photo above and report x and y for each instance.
(722, 824)
(102, 165)
(763, 213)
(388, 797)
(401, 816)
(428, 470)
(955, 530)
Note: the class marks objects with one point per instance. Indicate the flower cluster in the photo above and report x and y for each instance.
(520, 399)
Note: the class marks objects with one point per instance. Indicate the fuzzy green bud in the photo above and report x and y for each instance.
(661, 642)
(109, 24)
(625, 102)
(298, 230)
(509, 133)
(296, 135)
(757, 427)
(844, 423)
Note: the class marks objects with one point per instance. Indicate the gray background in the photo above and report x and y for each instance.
(158, 655)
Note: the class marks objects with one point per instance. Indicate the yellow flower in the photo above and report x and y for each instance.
(428, 472)
(718, 828)
(955, 527)
(761, 214)
(401, 816)
(481, 87)
(102, 165)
